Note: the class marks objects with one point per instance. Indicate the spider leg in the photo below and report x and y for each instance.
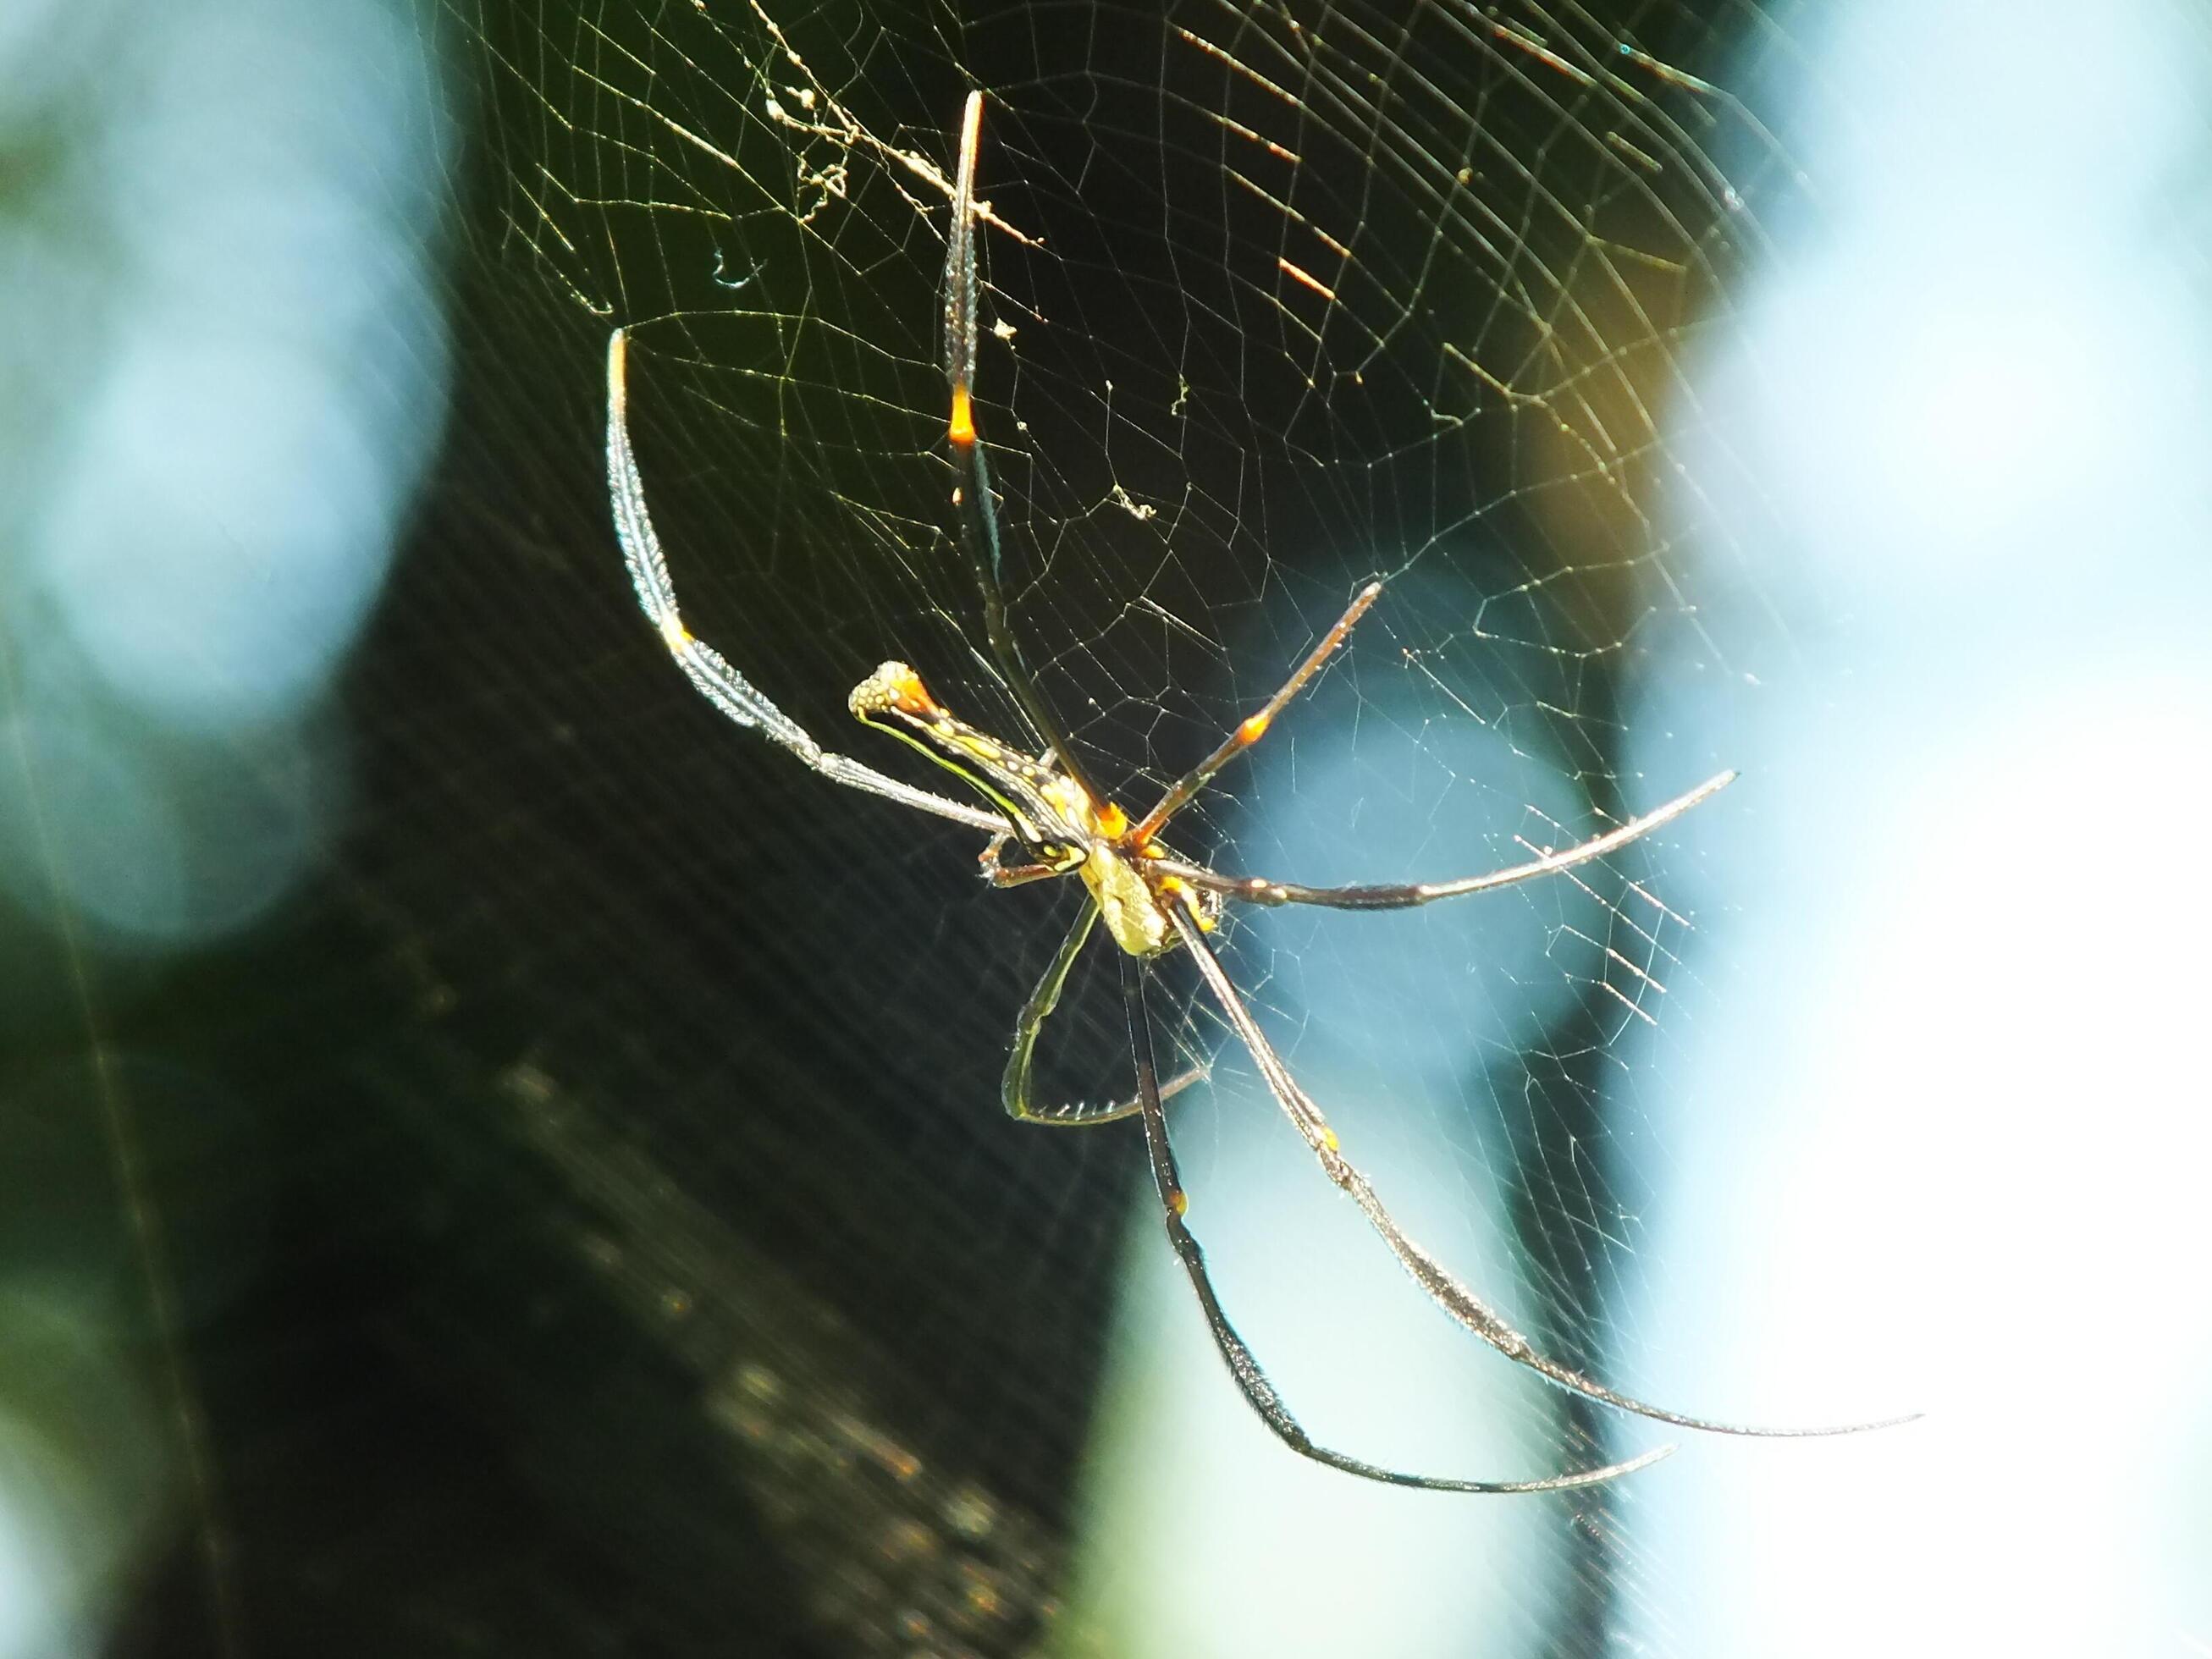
(971, 493)
(1014, 1086)
(1014, 875)
(1250, 730)
(1258, 890)
(719, 684)
(1446, 1290)
(1252, 1381)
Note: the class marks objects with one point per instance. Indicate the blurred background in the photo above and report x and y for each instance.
(496, 1159)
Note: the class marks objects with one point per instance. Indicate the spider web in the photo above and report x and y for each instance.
(1276, 302)
(580, 1219)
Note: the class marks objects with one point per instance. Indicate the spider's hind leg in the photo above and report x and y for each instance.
(1253, 1382)
(1469, 1310)
(1014, 1088)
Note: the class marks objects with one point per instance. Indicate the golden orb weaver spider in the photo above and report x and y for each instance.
(1152, 902)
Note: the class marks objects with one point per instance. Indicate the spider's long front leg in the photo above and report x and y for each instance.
(1445, 1290)
(705, 667)
(1258, 890)
(1252, 1381)
(971, 495)
(1254, 726)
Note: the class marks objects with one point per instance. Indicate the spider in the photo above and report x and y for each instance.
(1151, 901)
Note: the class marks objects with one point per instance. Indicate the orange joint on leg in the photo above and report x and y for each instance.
(962, 430)
(1179, 1203)
(1112, 821)
(1252, 730)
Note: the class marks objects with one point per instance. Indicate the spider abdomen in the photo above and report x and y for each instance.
(1131, 914)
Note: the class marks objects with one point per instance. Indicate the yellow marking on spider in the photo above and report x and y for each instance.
(1175, 888)
(978, 746)
(1066, 797)
(1112, 820)
(963, 430)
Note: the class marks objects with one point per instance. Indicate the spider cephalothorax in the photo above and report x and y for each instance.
(1058, 827)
